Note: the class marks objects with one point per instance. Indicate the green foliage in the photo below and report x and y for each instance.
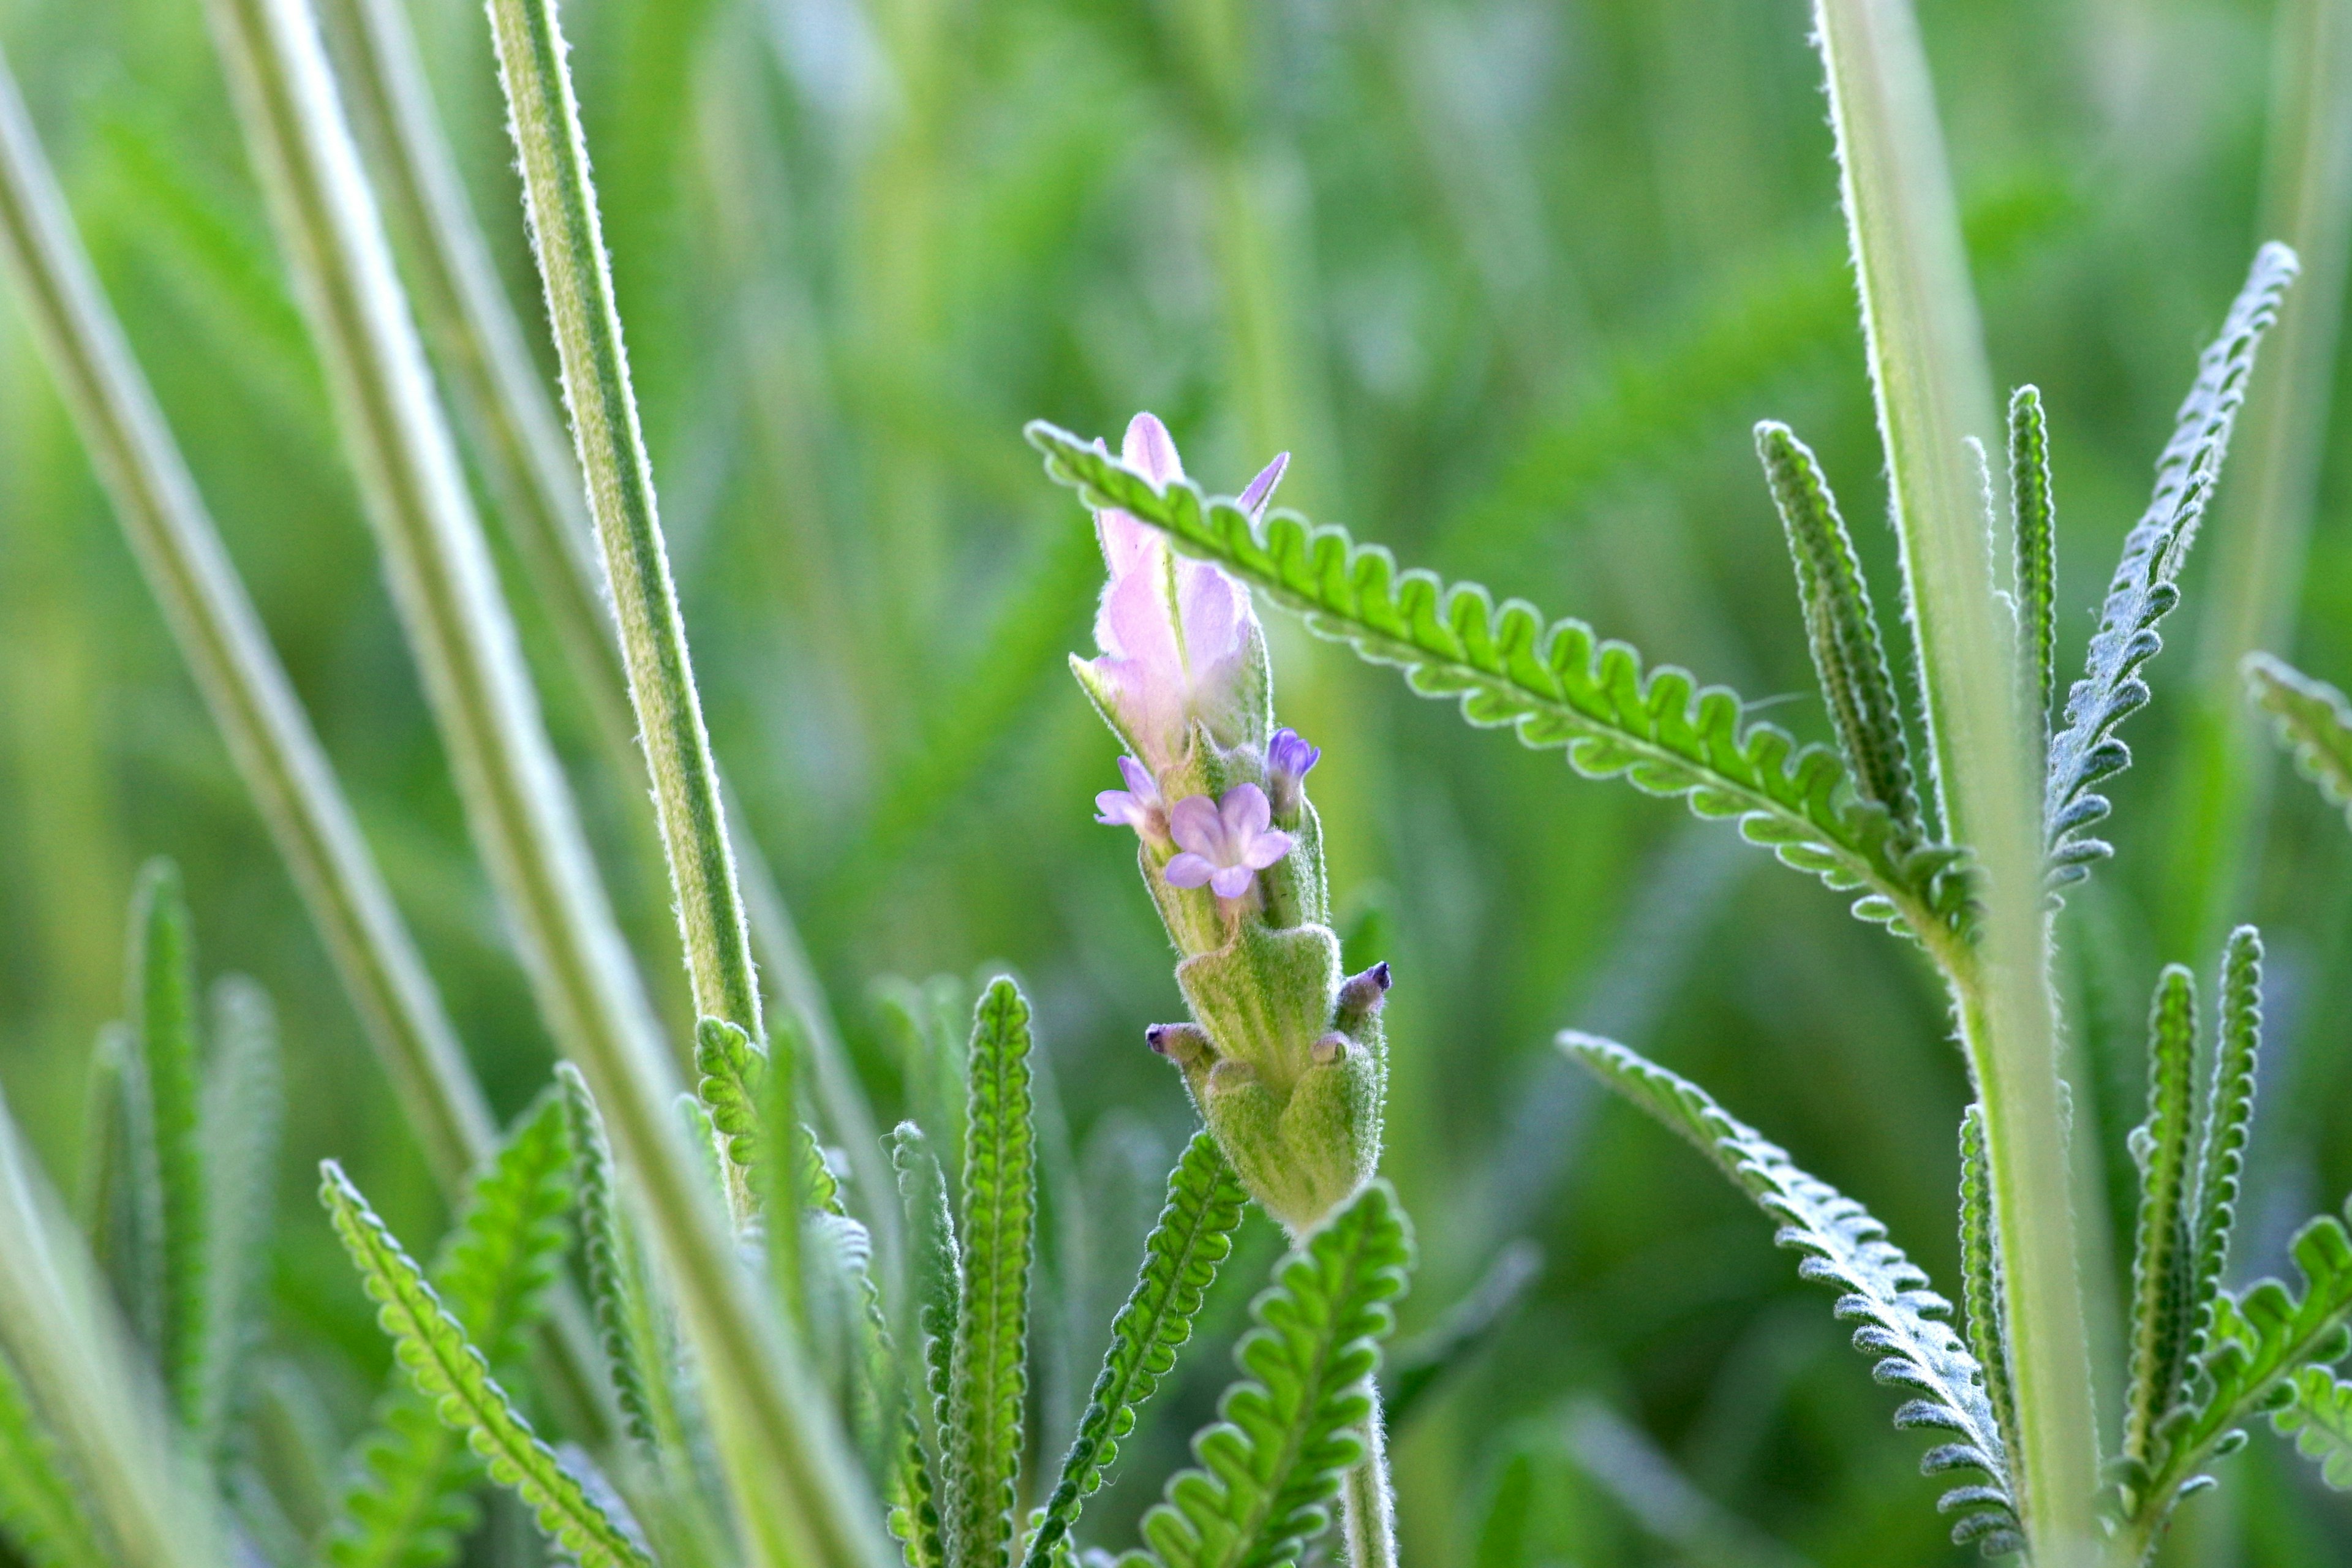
(628, 1326)
(2144, 588)
(410, 1507)
(932, 1263)
(2163, 1250)
(164, 1005)
(987, 1379)
(1195, 1234)
(2228, 1122)
(729, 1069)
(1902, 1319)
(2319, 1419)
(1294, 1424)
(2033, 514)
(1848, 655)
(122, 1194)
(244, 1113)
(2315, 723)
(1556, 687)
(453, 1373)
(1419, 1365)
(1980, 1275)
(41, 1513)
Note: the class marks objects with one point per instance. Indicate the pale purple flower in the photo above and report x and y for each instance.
(1225, 842)
(1137, 806)
(1174, 633)
(1288, 759)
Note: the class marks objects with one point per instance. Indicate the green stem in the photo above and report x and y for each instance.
(1926, 362)
(799, 1496)
(568, 239)
(1367, 1503)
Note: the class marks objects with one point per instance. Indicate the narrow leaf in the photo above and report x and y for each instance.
(2035, 514)
(122, 1192)
(163, 1003)
(2145, 589)
(628, 1328)
(244, 1113)
(452, 1372)
(1295, 1422)
(988, 1381)
(2228, 1122)
(1194, 1235)
(1903, 1326)
(729, 1069)
(1848, 655)
(934, 1272)
(1980, 1275)
(1555, 685)
(41, 1513)
(2314, 723)
(2165, 1245)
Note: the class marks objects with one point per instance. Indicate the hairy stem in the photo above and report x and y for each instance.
(789, 1464)
(1927, 362)
(569, 241)
(1367, 1503)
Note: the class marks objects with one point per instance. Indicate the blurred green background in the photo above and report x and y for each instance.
(1511, 280)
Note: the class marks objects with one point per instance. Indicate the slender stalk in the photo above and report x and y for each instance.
(1367, 1506)
(268, 734)
(2259, 554)
(800, 1500)
(95, 1395)
(1926, 362)
(568, 239)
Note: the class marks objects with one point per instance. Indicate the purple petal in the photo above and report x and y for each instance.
(1126, 543)
(1195, 825)
(1116, 808)
(1264, 850)
(1289, 754)
(1232, 882)
(1150, 451)
(1189, 870)
(1245, 811)
(1261, 489)
(1215, 610)
(1139, 779)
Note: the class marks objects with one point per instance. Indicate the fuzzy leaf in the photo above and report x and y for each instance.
(1980, 1275)
(628, 1325)
(122, 1192)
(988, 1381)
(2145, 589)
(2314, 723)
(1902, 1319)
(2164, 1251)
(1848, 655)
(1294, 1424)
(163, 1005)
(1194, 1234)
(913, 1520)
(410, 1506)
(2034, 513)
(2228, 1122)
(1555, 686)
(452, 1372)
(244, 1111)
(2319, 1419)
(41, 1513)
(729, 1069)
(934, 1271)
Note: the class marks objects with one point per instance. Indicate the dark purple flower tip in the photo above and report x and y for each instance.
(1186, 1045)
(1288, 760)
(1360, 996)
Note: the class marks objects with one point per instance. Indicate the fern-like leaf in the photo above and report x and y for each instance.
(989, 1379)
(2315, 723)
(452, 1373)
(410, 1506)
(1294, 1422)
(1980, 1275)
(934, 1270)
(1194, 1235)
(2228, 1124)
(1848, 655)
(2145, 587)
(2164, 1248)
(122, 1192)
(41, 1513)
(729, 1069)
(2319, 1419)
(244, 1111)
(2033, 512)
(1555, 686)
(628, 1326)
(163, 1003)
(1902, 1320)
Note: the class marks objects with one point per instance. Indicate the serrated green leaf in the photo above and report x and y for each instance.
(410, 1506)
(2164, 1248)
(1980, 1275)
(2144, 589)
(244, 1113)
(2319, 1419)
(1848, 655)
(628, 1326)
(2229, 1114)
(452, 1372)
(1555, 686)
(2033, 512)
(163, 1006)
(41, 1513)
(2315, 723)
(1192, 1236)
(1902, 1319)
(989, 1377)
(729, 1069)
(913, 1520)
(1293, 1425)
(934, 1273)
(122, 1192)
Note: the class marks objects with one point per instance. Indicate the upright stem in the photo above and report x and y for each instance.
(569, 239)
(801, 1499)
(1368, 1506)
(1926, 362)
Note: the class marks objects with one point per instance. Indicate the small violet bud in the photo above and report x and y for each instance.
(1225, 842)
(1137, 806)
(1288, 760)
